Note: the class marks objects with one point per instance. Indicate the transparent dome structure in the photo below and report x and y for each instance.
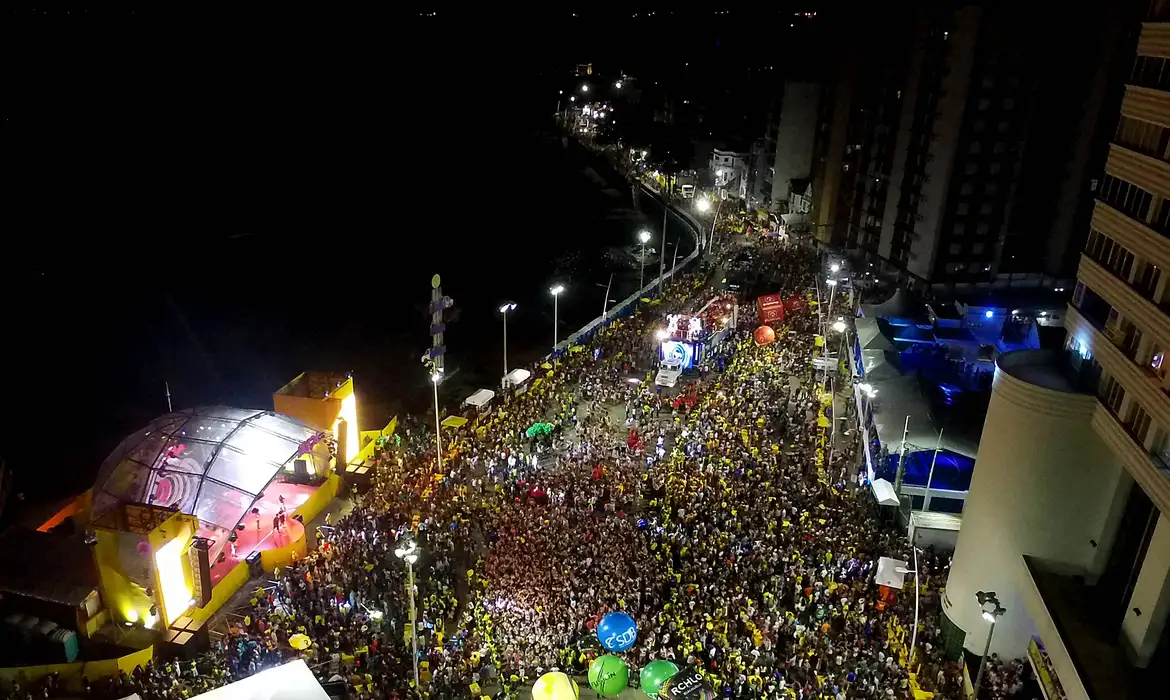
(208, 462)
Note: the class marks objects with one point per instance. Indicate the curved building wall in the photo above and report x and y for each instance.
(1043, 485)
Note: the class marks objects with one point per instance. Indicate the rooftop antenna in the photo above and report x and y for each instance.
(168, 388)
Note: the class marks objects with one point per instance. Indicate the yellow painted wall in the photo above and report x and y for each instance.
(318, 413)
(223, 592)
(323, 414)
(367, 452)
(283, 556)
(72, 674)
(127, 601)
(320, 499)
(93, 624)
(123, 598)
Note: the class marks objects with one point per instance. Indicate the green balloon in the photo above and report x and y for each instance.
(654, 674)
(609, 675)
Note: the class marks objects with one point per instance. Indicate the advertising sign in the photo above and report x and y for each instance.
(686, 685)
(678, 351)
(771, 309)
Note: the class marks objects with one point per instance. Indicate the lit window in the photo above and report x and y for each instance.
(1156, 363)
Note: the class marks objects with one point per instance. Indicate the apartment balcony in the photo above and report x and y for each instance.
(1150, 174)
(1146, 104)
(1127, 300)
(1144, 388)
(1155, 39)
(1084, 650)
(1139, 239)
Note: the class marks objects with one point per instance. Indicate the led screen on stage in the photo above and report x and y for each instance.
(679, 351)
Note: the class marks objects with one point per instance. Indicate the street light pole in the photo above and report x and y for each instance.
(643, 236)
(914, 633)
(930, 474)
(409, 554)
(504, 312)
(556, 292)
(413, 617)
(991, 615)
(662, 248)
(825, 333)
(711, 237)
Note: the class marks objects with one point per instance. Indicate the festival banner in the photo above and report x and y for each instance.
(770, 308)
(686, 685)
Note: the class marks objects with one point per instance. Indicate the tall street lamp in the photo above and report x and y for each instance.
(437, 377)
(409, 553)
(556, 292)
(825, 327)
(643, 236)
(914, 634)
(991, 612)
(504, 311)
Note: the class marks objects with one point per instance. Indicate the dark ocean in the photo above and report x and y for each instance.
(230, 316)
(222, 216)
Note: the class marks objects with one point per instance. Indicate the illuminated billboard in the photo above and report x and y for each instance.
(678, 351)
(176, 594)
(684, 327)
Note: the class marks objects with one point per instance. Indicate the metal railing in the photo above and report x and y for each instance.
(628, 304)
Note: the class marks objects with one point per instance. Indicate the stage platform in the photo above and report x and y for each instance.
(251, 539)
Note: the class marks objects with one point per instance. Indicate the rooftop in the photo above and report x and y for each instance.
(1038, 367)
(314, 385)
(1082, 619)
(45, 566)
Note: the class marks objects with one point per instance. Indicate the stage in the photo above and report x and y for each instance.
(252, 539)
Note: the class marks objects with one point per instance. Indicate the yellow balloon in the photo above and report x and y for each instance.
(555, 685)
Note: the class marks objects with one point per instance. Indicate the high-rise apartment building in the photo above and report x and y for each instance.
(794, 138)
(976, 134)
(785, 152)
(1068, 518)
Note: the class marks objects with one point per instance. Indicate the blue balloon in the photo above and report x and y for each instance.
(617, 632)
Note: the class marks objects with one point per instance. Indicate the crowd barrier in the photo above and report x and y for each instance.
(626, 306)
(72, 675)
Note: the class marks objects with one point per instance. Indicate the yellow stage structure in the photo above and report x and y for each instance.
(144, 565)
(326, 402)
(166, 498)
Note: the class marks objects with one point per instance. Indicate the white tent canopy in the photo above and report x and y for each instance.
(877, 366)
(900, 397)
(887, 572)
(870, 336)
(897, 305)
(292, 681)
(480, 398)
(883, 491)
(516, 377)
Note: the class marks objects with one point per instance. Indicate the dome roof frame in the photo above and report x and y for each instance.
(210, 462)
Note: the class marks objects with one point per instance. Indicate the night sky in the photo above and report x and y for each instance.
(220, 202)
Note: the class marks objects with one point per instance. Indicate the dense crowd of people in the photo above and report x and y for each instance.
(726, 525)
